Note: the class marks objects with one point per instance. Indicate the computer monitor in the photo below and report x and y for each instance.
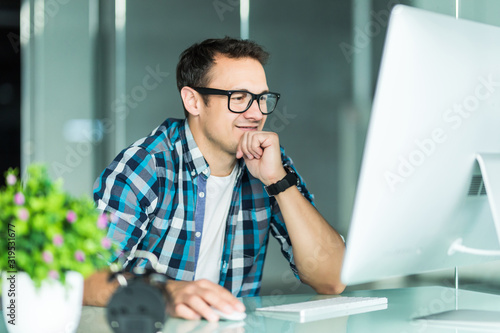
(430, 175)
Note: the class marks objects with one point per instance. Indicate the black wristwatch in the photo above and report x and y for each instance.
(289, 180)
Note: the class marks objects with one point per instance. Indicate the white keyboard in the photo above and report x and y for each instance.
(327, 308)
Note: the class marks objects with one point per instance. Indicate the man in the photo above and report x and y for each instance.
(193, 193)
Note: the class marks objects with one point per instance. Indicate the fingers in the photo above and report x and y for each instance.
(183, 311)
(193, 300)
(227, 303)
(244, 146)
(197, 303)
(252, 144)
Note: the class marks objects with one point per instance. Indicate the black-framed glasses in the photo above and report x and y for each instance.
(238, 101)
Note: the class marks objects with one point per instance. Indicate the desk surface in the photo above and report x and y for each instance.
(404, 304)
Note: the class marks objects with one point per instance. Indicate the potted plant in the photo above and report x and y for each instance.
(50, 242)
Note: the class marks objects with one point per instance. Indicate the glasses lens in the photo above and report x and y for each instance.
(238, 101)
(267, 103)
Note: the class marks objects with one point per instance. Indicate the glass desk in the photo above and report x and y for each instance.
(403, 305)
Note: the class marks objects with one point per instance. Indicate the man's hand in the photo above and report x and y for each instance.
(261, 151)
(193, 299)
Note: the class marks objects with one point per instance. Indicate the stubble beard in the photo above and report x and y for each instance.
(218, 143)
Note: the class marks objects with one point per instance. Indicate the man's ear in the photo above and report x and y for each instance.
(192, 100)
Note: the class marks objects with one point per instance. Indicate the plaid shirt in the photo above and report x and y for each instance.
(155, 188)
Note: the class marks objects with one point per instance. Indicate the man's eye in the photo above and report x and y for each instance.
(238, 97)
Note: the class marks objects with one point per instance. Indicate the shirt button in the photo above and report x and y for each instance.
(193, 173)
(198, 234)
(205, 171)
(202, 194)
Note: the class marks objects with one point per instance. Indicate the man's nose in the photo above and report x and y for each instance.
(253, 111)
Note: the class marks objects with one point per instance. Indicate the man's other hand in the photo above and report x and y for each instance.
(193, 299)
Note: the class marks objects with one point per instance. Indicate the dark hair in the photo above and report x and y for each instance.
(196, 61)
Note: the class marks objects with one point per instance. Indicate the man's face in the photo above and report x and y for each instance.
(221, 128)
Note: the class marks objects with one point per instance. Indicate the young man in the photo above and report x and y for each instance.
(202, 194)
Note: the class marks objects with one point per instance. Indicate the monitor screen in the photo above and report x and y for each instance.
(421, 189)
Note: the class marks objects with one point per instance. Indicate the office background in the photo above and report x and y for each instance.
(82, 79)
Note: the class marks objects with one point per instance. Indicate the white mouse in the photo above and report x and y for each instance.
(234, 316)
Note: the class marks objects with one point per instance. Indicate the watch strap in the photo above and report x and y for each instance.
(286, 182)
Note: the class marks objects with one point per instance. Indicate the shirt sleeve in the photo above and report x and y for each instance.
(128, 188)
(278, 227)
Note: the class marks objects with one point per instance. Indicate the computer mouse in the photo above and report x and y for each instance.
(234, 316)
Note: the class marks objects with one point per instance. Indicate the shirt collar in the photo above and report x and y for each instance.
(193, 157)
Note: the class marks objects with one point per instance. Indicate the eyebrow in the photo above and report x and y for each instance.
(242, 89)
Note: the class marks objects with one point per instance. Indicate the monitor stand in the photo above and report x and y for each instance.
(489, 164)
(468, 318)
(490, 170)
(478, 320)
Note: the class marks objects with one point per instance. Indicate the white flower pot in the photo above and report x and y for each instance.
(54, 308)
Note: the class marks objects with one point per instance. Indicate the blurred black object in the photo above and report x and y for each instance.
(10, 86)
(139, 304)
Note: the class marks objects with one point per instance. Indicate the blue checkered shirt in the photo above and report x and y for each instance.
(153, 189)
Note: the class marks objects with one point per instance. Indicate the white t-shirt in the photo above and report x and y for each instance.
(218, 199)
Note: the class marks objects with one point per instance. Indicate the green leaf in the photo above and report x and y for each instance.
(47, 205)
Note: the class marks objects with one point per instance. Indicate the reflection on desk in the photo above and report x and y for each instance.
(404, 304)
